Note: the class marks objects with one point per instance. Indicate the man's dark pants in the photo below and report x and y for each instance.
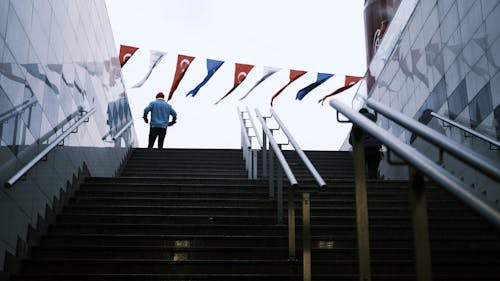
(154, 133)
(372, 159)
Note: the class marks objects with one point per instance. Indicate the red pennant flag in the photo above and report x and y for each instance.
(294, 75)
(348, 83)
(240, 73)
(125, 53)
(351, 80)
(183, 62)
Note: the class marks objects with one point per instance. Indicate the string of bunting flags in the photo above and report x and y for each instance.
(240, 74)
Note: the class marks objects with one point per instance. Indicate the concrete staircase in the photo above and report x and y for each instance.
(179, 214)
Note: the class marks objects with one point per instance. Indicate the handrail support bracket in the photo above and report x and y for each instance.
(361, 208)
(420, 225)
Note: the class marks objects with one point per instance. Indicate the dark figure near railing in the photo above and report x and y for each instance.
(371, 144)
(160, 114)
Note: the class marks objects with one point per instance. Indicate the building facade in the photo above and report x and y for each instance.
(58, 64)
(441, 56)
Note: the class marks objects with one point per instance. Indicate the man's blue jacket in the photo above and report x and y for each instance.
(160, 112)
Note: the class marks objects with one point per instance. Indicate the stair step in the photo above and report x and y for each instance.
(205, 277)
(255, 207)
(376, 231)
(316, 204)
(164, 240)
(164, 253)
(157, 266)
(236, 253)
(161, 266)
(251, 218)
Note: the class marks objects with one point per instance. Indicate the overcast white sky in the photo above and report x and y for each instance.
(315, 36)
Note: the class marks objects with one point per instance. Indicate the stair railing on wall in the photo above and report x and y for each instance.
(82, 117)
(420, 166)
(494, 145)
(456, 149)
(275, 150)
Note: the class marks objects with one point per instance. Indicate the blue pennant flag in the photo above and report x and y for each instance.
(212, 67)
(322, 77)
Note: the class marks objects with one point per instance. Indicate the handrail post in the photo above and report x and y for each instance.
(249, 163)
(279, 191)
(264, 154)
(271, 172)
(420, 225)
(306, 236)
(246, 144)
(361, 207)
(254, 161)
(248, 149)
(291, 224)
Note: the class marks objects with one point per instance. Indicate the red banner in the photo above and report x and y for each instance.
(125, 53)
(294, 75)
(183, 63)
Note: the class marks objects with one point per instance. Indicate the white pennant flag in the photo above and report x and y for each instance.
(155, 59)
(268, 71)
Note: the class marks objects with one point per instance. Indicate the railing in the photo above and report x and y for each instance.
(16, 113)
(466, 154)
(18, 110)
(299, 151)
(420, 166)
(50, 146)
(306, 203)
(490, 141)
(275, 151)
(275, 174)
(249, 155)
(122, 130)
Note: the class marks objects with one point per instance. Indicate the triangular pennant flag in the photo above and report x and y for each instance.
(212, 67)
(268, 71)
(294, 75)
(240, 73)
(125, 53)
(154, 59)
(322, 77)
(183, 63)
(348, 83)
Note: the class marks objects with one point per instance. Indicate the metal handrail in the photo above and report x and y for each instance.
(257, 136)
(432, 170)
(246, 138)
(44, 152)
(123, 129)
(468, 130)
(17, 110)
(277, 151)
(464, 153)
(306, 202)
(299, 151)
